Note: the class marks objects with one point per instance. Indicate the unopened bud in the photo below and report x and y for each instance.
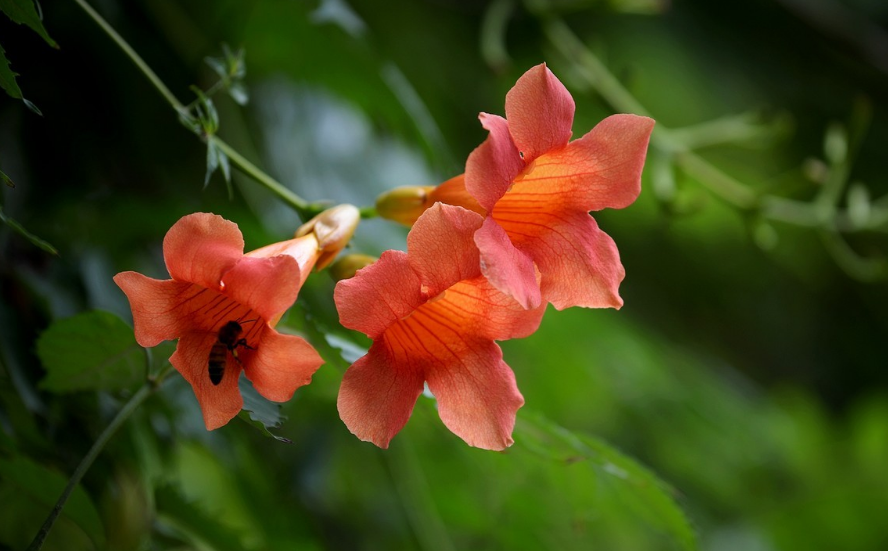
(404, 204)
(348, 265)
(333, 229)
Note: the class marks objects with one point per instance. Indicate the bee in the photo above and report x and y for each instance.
(227, 341)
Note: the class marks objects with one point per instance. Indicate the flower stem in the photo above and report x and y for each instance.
(300, 205)
(597, 77)
(128, 50)
(147, 389)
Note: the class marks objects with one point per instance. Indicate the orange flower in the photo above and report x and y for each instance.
(433, 318)
(536, 188)
(222, 306)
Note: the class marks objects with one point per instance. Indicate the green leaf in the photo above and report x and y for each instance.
(212, 161)
(260, 413)
(636, 486)
(8, 83)
(18, 228)
(6, 179)
(25, 11)
(189, 523)
(7, 77)
(44, 486)
(92, 350)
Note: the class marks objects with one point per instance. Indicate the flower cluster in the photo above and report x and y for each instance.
(515, 235)
(487, 251)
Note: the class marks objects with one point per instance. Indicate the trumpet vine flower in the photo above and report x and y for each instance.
(433, 318)
(222, 306)
(538, 187)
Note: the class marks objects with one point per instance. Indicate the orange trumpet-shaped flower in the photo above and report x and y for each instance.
(433, 318)
(222, 306)
(538, 188)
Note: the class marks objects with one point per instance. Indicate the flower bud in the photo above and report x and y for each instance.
(404, 204)
(333, 229)
(348, 265)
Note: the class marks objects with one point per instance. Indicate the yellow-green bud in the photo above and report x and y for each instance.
(348, 265)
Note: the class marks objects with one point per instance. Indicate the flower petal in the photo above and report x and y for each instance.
(266, 285)
(280, 364)
(201, 247)
(579, 263)
(441, 248)
(476, 391)
(540, 112)
(477, 396)
(377, 396)
(493, 165)
(453, 192)
(219, 403)
(509, 269)
(600, 170)
(157, 306)
(304, 249)
(378, 295)
(482, 310)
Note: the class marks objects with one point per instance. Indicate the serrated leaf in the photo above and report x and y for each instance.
(259, 412)
(647, 494)
(45, 486)
(7, 77)
(18, 228)
(25, 11)
(90, 351)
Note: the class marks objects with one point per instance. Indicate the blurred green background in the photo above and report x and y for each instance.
(747, 369)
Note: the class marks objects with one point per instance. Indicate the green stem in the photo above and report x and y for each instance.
(297, 203)
(127, 49)
(820, 214)
(147, 389)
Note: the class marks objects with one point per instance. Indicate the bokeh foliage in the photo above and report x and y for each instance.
(747, 369)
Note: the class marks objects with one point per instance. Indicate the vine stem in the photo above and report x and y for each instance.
(151, 385)
(300, 205)
(822, 214)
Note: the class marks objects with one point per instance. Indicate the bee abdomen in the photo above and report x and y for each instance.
(217, 363)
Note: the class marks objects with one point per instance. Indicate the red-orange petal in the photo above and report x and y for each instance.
(477, 396)
(441, 343)
(493, 165)
(280, 364)
(377, 396)
(600, 170)
(267, 285)
(201, 247)
(454, 192)
(378, 295)
(158, 306)
(508, 268)
(219, 403)
(483, 311)
(540, 112)
(441, 248)
(304, 249)
(579, 263)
